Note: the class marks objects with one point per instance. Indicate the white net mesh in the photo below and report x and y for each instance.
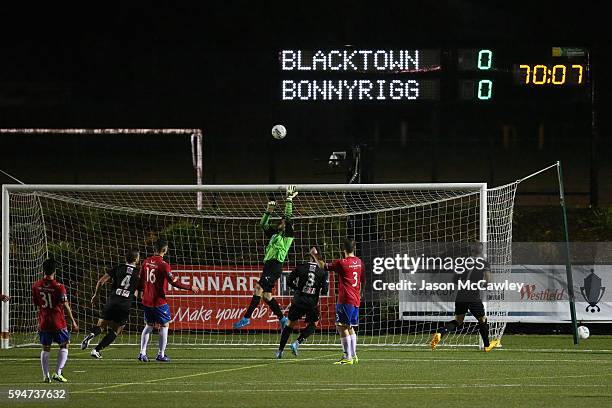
(221, 247)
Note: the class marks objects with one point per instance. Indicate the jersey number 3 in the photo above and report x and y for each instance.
(355, 276)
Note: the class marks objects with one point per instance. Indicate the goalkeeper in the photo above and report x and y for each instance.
(281, 237)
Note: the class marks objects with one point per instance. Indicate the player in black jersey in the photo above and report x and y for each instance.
(125, 279)
(308, 281)
(470, 300)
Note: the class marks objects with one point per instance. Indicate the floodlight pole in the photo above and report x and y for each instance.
(568, 262)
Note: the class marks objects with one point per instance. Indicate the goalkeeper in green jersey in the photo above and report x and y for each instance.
(281, 237)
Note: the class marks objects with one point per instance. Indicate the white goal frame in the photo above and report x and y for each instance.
(8, 188)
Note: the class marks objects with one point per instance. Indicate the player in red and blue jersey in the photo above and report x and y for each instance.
(351, 280)
(155, 274)
(51, 298)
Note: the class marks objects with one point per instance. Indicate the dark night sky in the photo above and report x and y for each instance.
(212, 66)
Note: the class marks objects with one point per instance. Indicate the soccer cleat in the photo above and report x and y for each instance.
(492, 345)
(283, 322)
(86, 341)
(344, 361)
(164, 359)
(143, 358)
(59, 377)
(47, 379)
(355, 360)
(294, 348)
(279, 354)
(95, 354)
(245, 321)
(435, 340)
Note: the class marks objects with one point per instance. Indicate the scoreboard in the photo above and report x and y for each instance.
(408, 75)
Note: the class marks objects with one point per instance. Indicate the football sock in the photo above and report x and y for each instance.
(275, 308)
(62, 357)
(96, 330)
(284, 337)
(107, 340)
(346, 346)
(483, 328)
(144, 338)
(308, 330)
(44, 362)
(254, 302)
(353, 345)
(163, 340)
(449, 326)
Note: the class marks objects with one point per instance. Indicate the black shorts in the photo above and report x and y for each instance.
(297, 311)
(117, 312)
(271, 273)
(476, 308)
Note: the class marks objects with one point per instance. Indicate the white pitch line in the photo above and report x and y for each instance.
(353, 389)
(407, 359)
(227, 370)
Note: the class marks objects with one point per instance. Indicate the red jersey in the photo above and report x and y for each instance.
(350, 279)
(154, 275)
(50, 295)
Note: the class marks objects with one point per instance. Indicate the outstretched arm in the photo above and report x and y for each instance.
(265, 218)
(291, 193)
(317, 257)
(175, 281)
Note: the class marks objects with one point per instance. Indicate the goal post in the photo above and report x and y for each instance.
(218, 246)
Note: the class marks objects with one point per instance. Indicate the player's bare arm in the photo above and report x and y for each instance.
(73, 323)
(101, 282)
(175, 282)
(315, 255)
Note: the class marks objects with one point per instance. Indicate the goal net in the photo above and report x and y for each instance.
(216, 243)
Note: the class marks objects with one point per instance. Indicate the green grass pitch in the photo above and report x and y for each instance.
(529, 371)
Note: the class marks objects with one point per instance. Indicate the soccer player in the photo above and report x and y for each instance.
(308, 281)
(154, 274)
(125, 281)
(351, 280)
(50, 297)
(4, 298)
(469, 300)
(281, 237)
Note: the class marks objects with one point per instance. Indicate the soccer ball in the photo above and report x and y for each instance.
(583, 332)
(279, 132)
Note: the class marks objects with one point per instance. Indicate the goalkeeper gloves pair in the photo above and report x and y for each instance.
(290, 195)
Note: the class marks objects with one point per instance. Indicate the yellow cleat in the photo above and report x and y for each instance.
(59, 378)
(492, 345)
(344, 361)
(435, 340)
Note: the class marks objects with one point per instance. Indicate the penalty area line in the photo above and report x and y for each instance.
(180, 377)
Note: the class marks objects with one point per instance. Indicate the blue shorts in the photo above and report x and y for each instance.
(347, 314)
(160, 314)
(49, 337)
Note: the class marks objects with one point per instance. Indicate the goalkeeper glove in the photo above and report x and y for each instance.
(291, 193)
(271, 206)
